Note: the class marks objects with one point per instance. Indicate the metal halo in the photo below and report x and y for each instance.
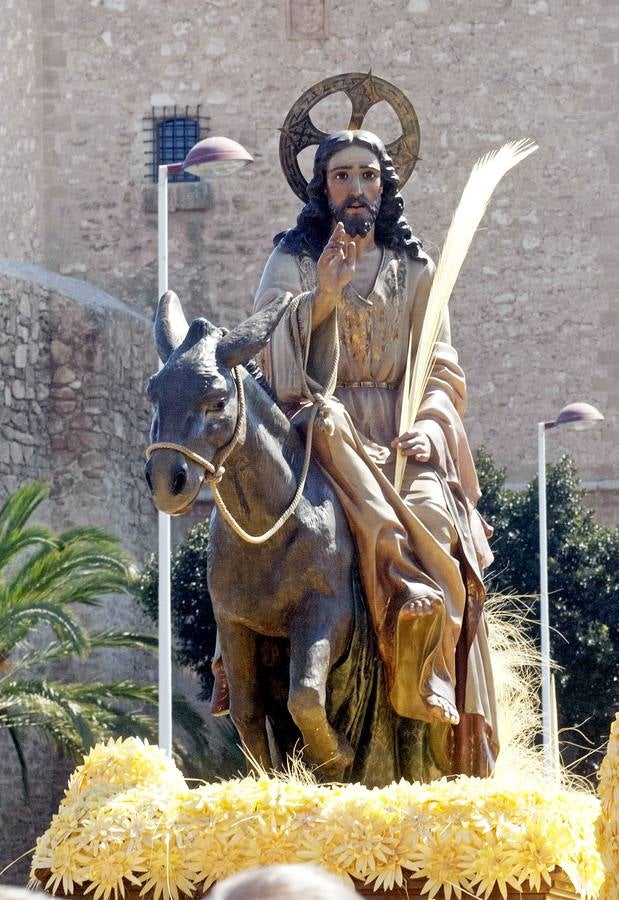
(363, 91)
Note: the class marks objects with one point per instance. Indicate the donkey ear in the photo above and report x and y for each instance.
(242, 343)
(170, 325)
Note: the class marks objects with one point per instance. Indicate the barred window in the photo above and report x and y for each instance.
(175, 138)
(172, 132)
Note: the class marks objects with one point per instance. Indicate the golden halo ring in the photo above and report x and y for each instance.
(363, 91)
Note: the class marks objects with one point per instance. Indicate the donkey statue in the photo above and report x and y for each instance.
(295, 639)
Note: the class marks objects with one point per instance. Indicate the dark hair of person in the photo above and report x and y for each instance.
(313, 227)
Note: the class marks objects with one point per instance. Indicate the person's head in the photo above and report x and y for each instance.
(353, 186)
(291, 882)
(351, 160)
(7, 892)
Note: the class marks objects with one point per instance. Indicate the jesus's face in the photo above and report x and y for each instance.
(354, 189)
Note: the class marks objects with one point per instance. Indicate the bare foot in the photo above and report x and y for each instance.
(442, 710)
(420, 606)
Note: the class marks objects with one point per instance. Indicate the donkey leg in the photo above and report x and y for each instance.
(239, 653)
(318, 638)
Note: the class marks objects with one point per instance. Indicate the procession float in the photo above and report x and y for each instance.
(388, 734)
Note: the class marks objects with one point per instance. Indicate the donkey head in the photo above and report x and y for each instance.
(194, 395)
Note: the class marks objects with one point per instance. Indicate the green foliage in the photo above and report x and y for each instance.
(192, 611)
(43, 576)
(583, 579)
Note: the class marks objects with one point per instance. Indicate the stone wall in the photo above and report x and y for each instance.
(73, 363)
(24, 377)
(22, 131)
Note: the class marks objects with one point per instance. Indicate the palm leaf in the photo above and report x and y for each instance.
(486, 174)
(16, 622)
(76, 716)
(53, 699)
(15, 535)
(102, 692)
(88, 534)
(76, 573)
(18, 541)
(44, 574)
(132, 640)
(19, 507)
(27, 705)
(26, 657)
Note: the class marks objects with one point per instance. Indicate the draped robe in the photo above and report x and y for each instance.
(432, 531)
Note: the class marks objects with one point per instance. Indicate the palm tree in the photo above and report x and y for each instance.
(43, 577)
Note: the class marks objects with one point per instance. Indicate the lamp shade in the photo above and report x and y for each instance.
(578, 416)
(216, 156)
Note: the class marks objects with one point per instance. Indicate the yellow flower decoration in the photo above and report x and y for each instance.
(129, 819)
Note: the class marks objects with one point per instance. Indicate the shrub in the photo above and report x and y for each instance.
(583, 579)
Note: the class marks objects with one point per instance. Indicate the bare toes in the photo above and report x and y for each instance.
(442, 710)
(420, 606)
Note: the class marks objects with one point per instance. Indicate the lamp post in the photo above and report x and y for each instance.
(576, 416)
(211, 158)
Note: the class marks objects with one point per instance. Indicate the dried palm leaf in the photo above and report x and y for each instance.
(486, 174)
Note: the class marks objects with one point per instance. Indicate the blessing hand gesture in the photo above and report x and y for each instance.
(336, 265)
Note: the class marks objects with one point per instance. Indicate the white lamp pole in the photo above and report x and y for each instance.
(211, 158)
(164, 529)
(543, 597)
(577, 416)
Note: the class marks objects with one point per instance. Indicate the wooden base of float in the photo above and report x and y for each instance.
(561, 888)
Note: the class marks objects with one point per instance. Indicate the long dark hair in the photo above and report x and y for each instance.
(313, 226)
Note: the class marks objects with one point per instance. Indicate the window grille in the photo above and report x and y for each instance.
(171, 133)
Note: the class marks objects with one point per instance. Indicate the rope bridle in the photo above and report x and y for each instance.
(214, 473)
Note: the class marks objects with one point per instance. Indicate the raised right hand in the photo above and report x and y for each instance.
(336, 265)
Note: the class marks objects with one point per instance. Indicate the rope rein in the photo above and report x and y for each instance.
(214, 473)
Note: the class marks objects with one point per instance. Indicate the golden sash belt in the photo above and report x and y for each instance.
(388, 386)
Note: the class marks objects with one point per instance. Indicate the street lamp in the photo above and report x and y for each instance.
(576, 416)
(211, 158)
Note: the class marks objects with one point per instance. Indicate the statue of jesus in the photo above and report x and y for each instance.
(359, 282)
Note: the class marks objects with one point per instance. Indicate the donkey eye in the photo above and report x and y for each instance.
(214, 406)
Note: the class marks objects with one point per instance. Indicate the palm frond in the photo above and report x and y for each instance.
(19, 541)
(15, 534)
(104, 692)
(13, 716)
(25, 657)
(486, 174)
(57, 703)
(19, 507)
(77, 572)
(16, 622)
(76, 716)
(88, 534)
(47, 573)
(41, 691)
(130, 640)
(34, 712)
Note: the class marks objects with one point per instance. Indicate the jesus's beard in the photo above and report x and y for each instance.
(356, 222)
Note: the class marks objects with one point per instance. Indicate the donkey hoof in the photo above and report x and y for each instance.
(334, 768)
